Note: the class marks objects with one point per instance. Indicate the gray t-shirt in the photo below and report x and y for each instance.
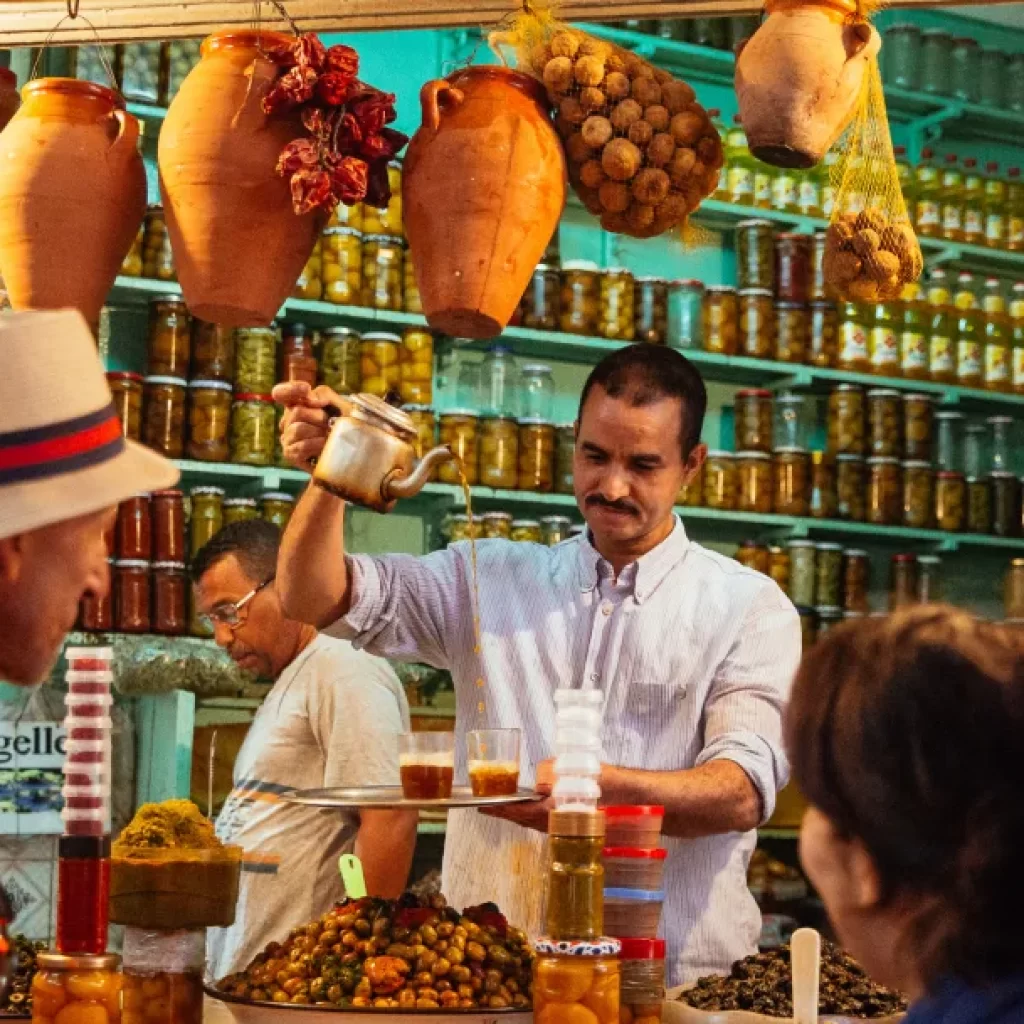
(331, 719)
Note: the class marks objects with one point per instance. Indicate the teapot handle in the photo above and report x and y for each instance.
(127, 139)
(435, 96)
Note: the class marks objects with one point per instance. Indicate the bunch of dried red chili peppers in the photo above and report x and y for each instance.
(345, 158)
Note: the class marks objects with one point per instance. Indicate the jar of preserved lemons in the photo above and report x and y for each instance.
(754, 556)
(499, 452)
(581, 297)
(82, 988)
(497, 524)
(616, 317)
(824, 495)
(417, 366)
(950, 501)
(341, 360)
(131, 266)
(757, 323)
(206, 516)
(720, 321)
(753, 420)
(884, 422)
(342, 259)
(170, 337)
(460, 431)
(346, 217)
(754, 470)
(252, 430)
(425, 422)
(528, 530)
(209, 420)
(411, 299)
(917, 493)
(380, 363)
(918, 419)
(846, 420)
(791, 473)
(792, 332)
(691, 494)
(157, 258)
(721, 481)
(822, 350)
(310, 283)
(536, 455)
(387, 221)
(383, 273)
(850, 488)
(885, 492)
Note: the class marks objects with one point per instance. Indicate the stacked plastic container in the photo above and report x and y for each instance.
(577, 749)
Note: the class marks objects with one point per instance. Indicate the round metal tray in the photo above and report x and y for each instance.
(391, 796)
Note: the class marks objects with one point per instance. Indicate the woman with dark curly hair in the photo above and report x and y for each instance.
(906, 736)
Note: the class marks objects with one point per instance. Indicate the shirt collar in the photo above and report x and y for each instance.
(645, 573)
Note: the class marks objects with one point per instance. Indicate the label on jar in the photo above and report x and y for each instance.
(784, 191)
(1018, 367)
(942, 355)
(885, 347)
(995, 229)
(928, 213)
(968, 359)
(974, 222)
(808, 195)
(915, 351)
(828, 200)
(997, 364)
(853, 343)
(740, 183)
(762, 189)
(952, 218)
(1015, 234)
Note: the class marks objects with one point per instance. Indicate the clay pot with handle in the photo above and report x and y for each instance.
(799, 77)
(483, 187)
(72, 195)
(238, 245)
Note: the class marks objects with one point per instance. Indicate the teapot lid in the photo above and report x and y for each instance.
(399, 421)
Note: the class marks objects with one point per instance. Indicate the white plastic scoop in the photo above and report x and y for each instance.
(805, 956)
(351, 869)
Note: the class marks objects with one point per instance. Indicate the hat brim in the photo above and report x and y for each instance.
(28, 506)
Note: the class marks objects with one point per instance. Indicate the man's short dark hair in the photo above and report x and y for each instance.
(254, 542)
(643, 374)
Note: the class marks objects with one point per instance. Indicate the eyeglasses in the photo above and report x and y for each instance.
(230, 614)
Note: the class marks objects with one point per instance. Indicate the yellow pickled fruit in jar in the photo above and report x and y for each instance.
(603, 998)
(82, 1013)
(563, 982)
(567, 1013)
(48, 996)
(93, 985)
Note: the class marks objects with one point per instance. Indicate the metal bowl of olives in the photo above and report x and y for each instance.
(410, 956)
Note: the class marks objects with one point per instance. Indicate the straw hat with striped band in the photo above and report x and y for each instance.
(62, 453)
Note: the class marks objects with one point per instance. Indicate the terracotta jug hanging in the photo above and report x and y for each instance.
(238, 245)
(72, 195)
(10, 99)
(483, 187)
(799, 77)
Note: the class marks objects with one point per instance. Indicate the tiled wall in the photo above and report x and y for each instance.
(28, 873)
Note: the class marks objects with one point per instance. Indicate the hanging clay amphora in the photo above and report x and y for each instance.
(483, 187)
(72, 195)
(238, 245)
(799, 77)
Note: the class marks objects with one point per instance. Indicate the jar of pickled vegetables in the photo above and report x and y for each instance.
(276, 507)
(823, 345)
(616, 317)
(721, 481)
(992, 78)
(753, 420)
(824, 497)
(170, 336)
(792, 332)
(213, 351)
(206, 518)
(828, 575)
(499, 452)
(412, 300)
(587, 980)
(536, 455)
(950, 501)
(425, 422)
(754, 556)
(754, 469)
(691, 494)
(884, 422)
(541, 302)
(778, 566)
(131, 585)
(497, 524)
(310, 283)
(565, 451)
(460, 430)
(791, 471)
(979, 505)
(387, 221)
(793, 267)
(720, 320)
(459, 527)
(918, 413)
(380, 363)
(341, 253)
(903, 44)
(917, 494)
(554, 529)
(255, 360)
(126, 390)
(885, 491)
(650, 310)
(252, 430)
(820, 289)
(802, 561)
(853, 338)
(1006, 517)
(755, 254)
(417, 366)
(172, 996)
(581, 297)
(850, 488)
(382, 272)
(163, 423)
(157, 258)
(846, 417)
(240, 510)
(209, 420)
(884, 340)
(757, 323)
(526, 530)
(340, 360)
(685, 314)
(856, 578)
(82, 988)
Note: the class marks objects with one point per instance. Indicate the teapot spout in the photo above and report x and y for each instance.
(399, 485)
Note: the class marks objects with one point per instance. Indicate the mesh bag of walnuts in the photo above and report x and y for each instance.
(642, 153)
(871, 251)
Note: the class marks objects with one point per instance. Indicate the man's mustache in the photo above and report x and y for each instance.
(597, 501)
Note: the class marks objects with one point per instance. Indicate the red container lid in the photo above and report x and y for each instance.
(754, 393)
(642, 949)
(634, 812)
(122, 374)
(634, 853)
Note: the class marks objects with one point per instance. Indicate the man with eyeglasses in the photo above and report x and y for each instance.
(332, 719)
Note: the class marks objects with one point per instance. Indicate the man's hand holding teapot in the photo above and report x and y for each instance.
(308, 414)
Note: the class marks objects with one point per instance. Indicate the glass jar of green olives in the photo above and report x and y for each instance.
(240, 510)
(340, 360)
(755, 254)
(757, 323)
(720, 321)
(581, 297)
(252, 429)
(382, 272)
(277, 507)
(209, 420)
(616, 317)
(565, 450)
(206, 517)
(721, 481)
(527, 530)
(917, 494)
(497, 524)
(255, 360)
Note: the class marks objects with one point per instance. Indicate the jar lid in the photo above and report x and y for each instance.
(546, 268)
(619, 270)
(584, 265)
(949, 414)
(847, 387)
(639, 811)
(916, 464)
(850, 613)
(793, 236)
(828, 545)
(883, 460)
(124, 375)
(172, 492)
(385, 240)
(1002, 474)
(642, 949)
(634, 853)
(849, 457)
(78, 961)
(719, 453)
(383, 336)
(526, 523)
(720, 289)
(904, 557)
(577, 947)
(345, 230)
(556, 520)
(761, 293)
(340, 332)
(965, 41)
(534, 421)
(746, 455)
(823, 305)
(165, 566)
(294, 329)
(800, 542)
(790, 305)
(240, 502)
(996, 420)
(883, 393)
(470, 413)
(277, 496)
(505, 517)
(635, 895)
(789, 449)
(248, 396)
(172, 297)
(937, 32)
(687, 282)
(460, 517)
(854, 553)
(540, 368)
(904, 26)
(212, 385)
(413, 407)
(829, 611)
(947, 474)
(131, 563)
(178, 382)
(751, 543)
(212, 491)
(754, 222)
(929, 560)
(804, 612)
(650, 280)
(754, 392)
(497, 416)
(570, 425)
(918, 396)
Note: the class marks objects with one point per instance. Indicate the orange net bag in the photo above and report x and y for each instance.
(642, 152)
(871, 250)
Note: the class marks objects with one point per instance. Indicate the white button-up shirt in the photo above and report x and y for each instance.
(693, 652)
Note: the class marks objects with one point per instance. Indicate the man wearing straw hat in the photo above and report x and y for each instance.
(64, 466)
